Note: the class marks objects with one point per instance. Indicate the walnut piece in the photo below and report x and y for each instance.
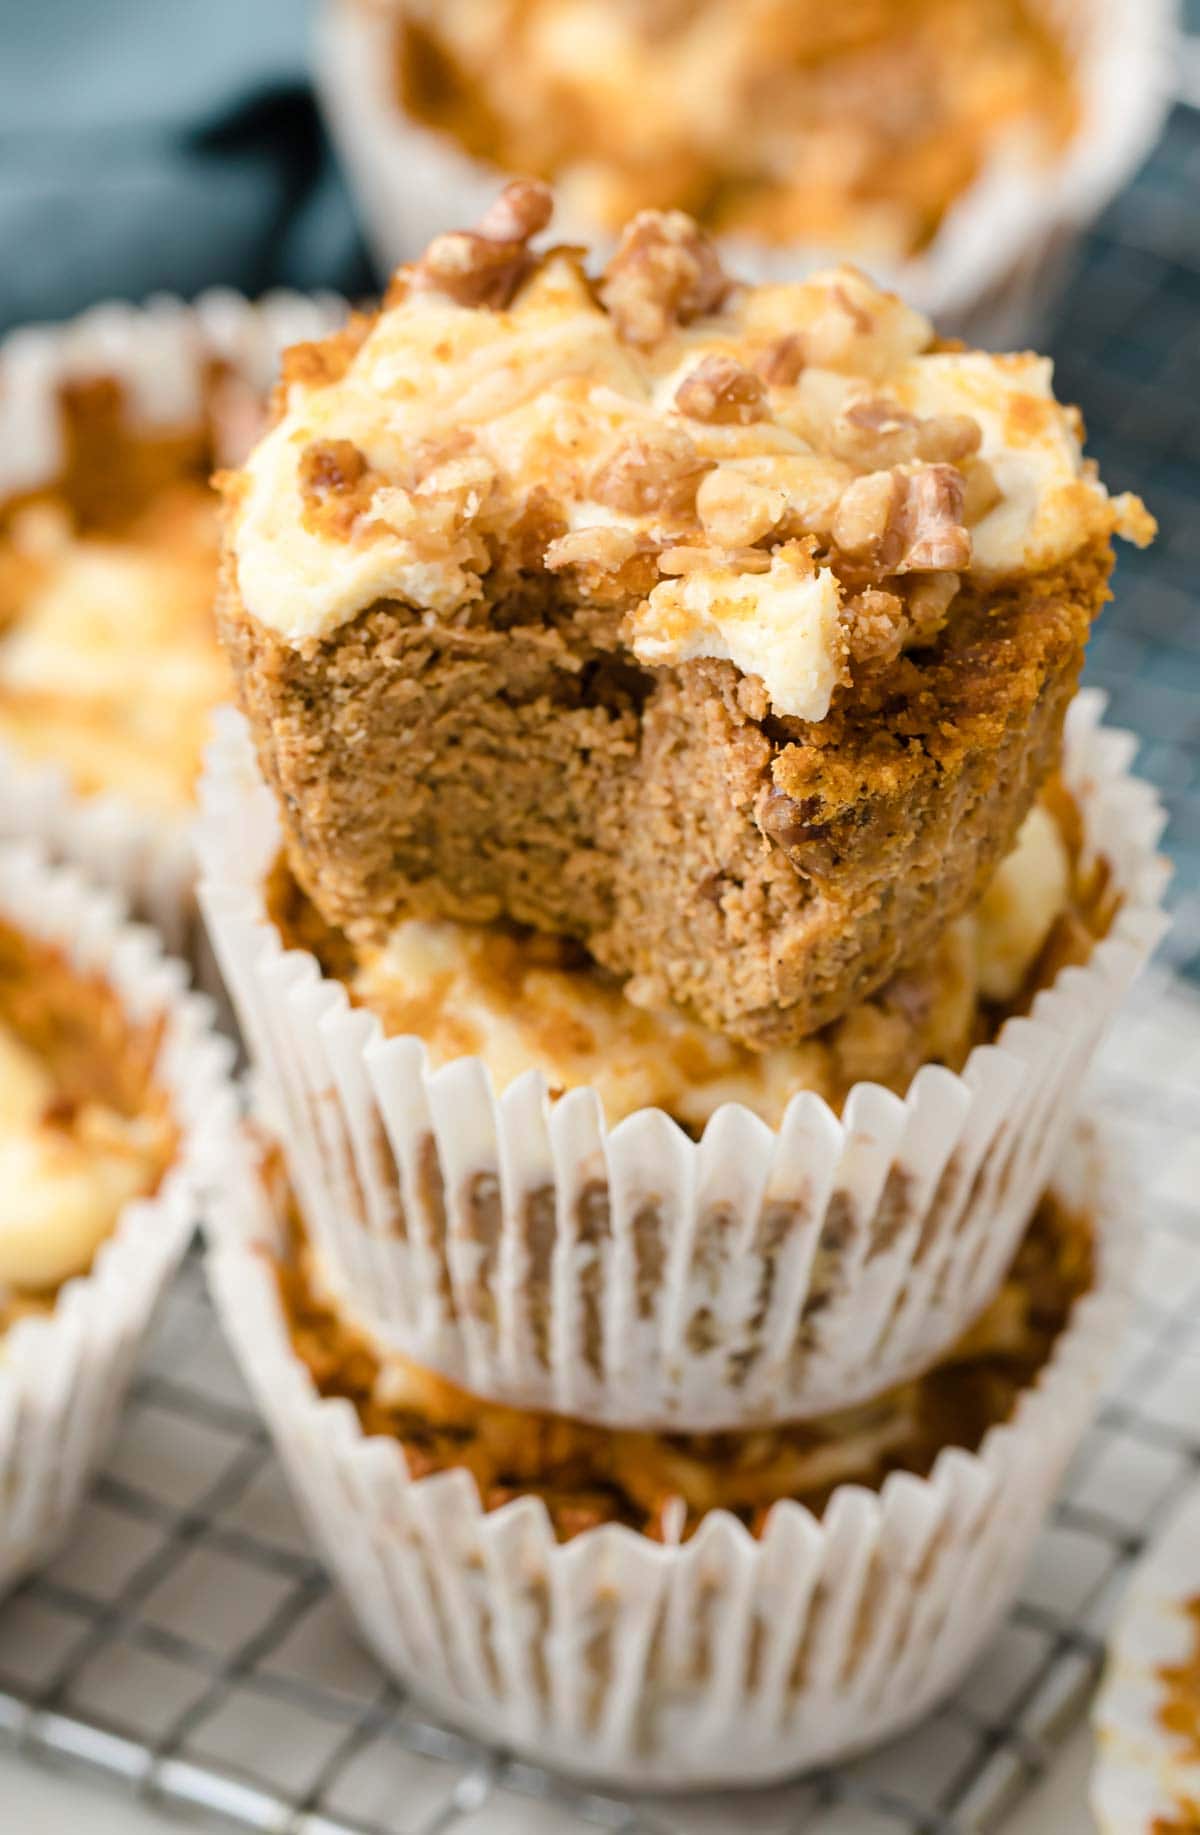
(905, 521)
(484, 266)
(781, 363)
(664, 273)
(693, 559)
(875, 433)
(335, 486)
(931, 529)
(595, 552)
(650, 473)
(721, 392)
(735, 510)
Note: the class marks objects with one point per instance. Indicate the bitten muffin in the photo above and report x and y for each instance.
(519, 1001)
(726, 630)
(854, 127)
(85, 1127)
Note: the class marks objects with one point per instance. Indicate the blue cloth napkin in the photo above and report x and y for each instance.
(150, 145)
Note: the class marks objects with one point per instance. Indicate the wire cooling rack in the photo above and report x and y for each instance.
(187, 1642)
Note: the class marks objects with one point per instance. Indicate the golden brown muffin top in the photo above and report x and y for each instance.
(795, 478)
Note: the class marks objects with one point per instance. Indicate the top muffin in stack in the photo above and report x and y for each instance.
(726, 630)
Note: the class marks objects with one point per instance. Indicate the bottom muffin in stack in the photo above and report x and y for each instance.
(665, 1444)
(677, 1609)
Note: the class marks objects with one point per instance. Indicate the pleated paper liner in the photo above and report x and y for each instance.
(63, 1373)
(997, 261)
(726, 1659)
(160, 354)
(632, 1275)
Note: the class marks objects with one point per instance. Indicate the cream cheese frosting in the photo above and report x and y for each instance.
(724, 448)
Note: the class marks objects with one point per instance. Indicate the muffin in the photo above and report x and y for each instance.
(86, 1129)
(109, 544)
(663, 1485)
(664, 1612)
(463, 1112)
(726, 630)
(115, 1106)
(856, 128)
(957, 149)
(520, 1002)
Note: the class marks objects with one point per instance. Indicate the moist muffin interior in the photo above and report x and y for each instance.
(521, 1001)
(662, 1484)
(855, 126)
(726, 630)
(84, 1126)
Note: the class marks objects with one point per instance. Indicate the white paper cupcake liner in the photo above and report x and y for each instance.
(159, 353)
(63, 1374)
(631, 1275)
(728, 1659)
(998, 259)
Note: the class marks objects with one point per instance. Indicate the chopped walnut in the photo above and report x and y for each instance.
(665, 273)
(864, 515)
(335, 486)
(651, 473)
(596, 554)
(904, 521)
(691, 559)
(522, 210)
(929, 598)
(931, 528)
(721, 392)
(981, 493)
(781, 364)
(484, 266)
(876, 433)
(735, 510)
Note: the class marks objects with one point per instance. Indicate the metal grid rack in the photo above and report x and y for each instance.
(187, 1641)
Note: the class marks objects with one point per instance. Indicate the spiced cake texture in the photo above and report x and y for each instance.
(522, 1001)
(726, 630)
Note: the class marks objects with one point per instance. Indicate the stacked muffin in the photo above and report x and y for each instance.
(659, 686)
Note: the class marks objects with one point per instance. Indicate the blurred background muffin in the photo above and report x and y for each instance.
(956, 147)
(856, 126)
